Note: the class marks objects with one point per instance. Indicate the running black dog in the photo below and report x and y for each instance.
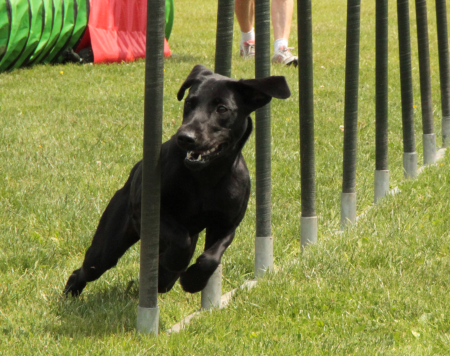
(205, 184)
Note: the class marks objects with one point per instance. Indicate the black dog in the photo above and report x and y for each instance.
(205, 184)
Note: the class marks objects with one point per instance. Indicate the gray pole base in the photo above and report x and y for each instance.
(308, 231)
(263, 255)
(348, 209)
(410, 164)
(381, 184)
(148, 320)
(445, 132)
(429, 149)
(212, 293)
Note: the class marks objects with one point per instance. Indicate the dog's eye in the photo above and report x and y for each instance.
(221, 109)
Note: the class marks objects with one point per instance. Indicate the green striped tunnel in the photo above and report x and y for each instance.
(36, 31)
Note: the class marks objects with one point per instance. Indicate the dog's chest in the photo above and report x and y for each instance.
(198, 206)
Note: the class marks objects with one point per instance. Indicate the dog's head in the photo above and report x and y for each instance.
(216, 122)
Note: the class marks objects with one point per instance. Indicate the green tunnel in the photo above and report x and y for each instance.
(38, 31)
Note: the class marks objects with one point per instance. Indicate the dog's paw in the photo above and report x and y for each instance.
(196, 277)
(75, 284)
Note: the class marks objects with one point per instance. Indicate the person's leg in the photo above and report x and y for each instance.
(281, 18)
(245, 10)
(282, 11)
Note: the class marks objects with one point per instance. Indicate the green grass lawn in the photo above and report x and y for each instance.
(69, 136)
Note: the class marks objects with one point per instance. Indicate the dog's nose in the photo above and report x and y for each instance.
(186, 138)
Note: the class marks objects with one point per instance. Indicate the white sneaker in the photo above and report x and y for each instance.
(247, 49)
(284, 56)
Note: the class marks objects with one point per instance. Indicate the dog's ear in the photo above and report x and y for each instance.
(259, 92)
(197, 74)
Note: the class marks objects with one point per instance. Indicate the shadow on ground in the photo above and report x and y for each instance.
(109, 311)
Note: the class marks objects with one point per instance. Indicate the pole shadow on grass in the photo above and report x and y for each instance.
(108, 311)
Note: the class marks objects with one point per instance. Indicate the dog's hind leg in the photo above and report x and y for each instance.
(197, 275)
(114, 235)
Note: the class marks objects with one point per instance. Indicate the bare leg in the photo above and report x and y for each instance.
(245, 11)
(282, 11)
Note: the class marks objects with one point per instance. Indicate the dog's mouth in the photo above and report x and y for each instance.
(207, 155)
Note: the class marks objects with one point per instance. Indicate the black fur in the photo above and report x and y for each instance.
(209, 192)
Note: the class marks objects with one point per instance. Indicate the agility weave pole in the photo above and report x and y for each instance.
(211, 294)
(381, 178)
(442, 32)
(429, 137)
(404, 44)
(224, 37)
(263, 239)
(308, 220)
(148, 311)
(348, 195)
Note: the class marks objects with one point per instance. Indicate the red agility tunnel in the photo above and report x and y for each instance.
(117, 30)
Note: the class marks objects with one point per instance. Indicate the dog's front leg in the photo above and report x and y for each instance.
(179, 246)
(196, 276)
